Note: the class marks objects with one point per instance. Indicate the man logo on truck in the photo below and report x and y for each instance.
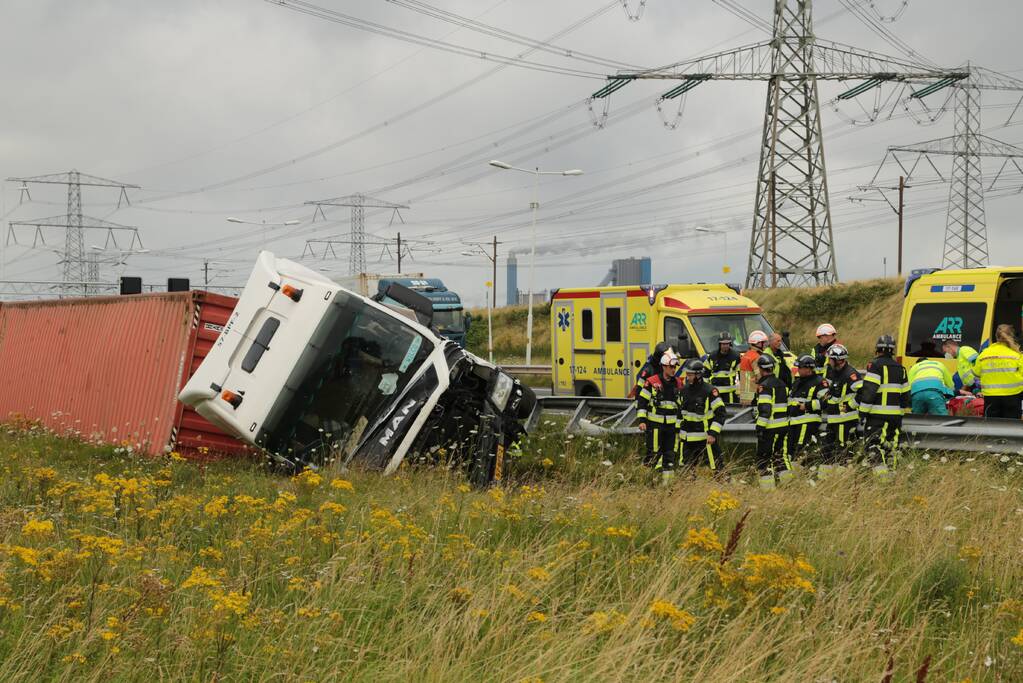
(396, 422)
(950, 327)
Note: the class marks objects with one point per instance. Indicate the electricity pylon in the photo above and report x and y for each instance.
(75, 266)
(966, 224)
(791, 241)
(357, 235)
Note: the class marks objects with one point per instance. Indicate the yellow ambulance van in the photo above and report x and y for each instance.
(601, 336)
(965, 305)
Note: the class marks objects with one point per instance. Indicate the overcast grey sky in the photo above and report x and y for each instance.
(245, 108)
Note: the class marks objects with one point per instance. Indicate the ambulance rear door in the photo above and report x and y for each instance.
(562, 354)
(588, 345)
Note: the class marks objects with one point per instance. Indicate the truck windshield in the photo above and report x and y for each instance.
(708, 327)
(356, 364)
(450, 321)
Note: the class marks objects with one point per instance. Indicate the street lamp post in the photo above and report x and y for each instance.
(264, 223)
(724, 233)
(534, 205)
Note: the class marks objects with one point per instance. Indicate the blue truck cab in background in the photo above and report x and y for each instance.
(449, 317)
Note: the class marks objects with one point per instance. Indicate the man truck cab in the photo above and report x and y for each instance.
(964, 305)
(601, 336)
(311, 372)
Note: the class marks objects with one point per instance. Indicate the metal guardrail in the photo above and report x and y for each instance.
(543, 370)
(594, 416)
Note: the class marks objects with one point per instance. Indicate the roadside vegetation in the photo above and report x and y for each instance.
(115, 567)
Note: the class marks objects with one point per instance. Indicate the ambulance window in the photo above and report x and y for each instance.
(587, 324)
(613, 324)
(929, 323)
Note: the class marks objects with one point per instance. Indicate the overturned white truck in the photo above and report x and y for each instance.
(311, 372)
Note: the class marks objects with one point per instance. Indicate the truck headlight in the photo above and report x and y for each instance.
(502, 390)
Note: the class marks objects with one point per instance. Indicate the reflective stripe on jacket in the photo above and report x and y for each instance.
(703, 411)
(1000, 370)
(885, 389)
(772, 404)
(930, 374)
(658, 403)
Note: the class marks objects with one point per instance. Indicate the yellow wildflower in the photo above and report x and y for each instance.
(620, 531)
(216, 507)
(200, 578)
(1018, 638)
(602, 622)
(342, 485)
(970, 553)
(536, 618)
(547, 462)
(308, 479)
(460, 595)
(38, 528)
(232, 602)
(719, 501)
(539, 574)
(333, 508)
(702, 541)
(679, 619)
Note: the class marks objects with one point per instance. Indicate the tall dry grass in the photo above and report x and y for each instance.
(577, 568)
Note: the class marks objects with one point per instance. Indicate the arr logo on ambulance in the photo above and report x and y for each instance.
(638, 321)
(950, 327)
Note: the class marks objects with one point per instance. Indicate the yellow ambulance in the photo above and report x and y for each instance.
(601, 336)
(964, 305)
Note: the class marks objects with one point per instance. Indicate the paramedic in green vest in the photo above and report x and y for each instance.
(965, 357)
(930, 387)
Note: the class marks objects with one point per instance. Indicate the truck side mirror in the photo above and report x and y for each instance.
(468, 321)
(786, 340)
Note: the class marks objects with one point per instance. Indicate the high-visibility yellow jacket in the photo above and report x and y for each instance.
(965, 358)
(930, 374)
(1000, 370)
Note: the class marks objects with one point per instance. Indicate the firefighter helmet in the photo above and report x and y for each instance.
(806, 362)
(669, 358)
(725, 338)
(695, 365)
(838, 352)
(766, 362)
(885, 344)
(826, 329)
(757, 337)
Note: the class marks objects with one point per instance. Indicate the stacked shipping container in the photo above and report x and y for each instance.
(109, 369)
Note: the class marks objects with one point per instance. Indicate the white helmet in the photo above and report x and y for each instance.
(757, 337)
(826, 329)
(669, 358)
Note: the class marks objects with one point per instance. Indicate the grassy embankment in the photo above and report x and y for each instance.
(116, 567)
(862, 311)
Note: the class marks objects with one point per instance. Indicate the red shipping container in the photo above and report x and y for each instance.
(109, 369)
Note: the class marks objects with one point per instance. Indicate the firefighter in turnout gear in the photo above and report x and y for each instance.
(772, 409)
(650, 368)
(774, 349)
(748, 372)
(883, 399)
(806, 401)
(827, 337)
(703, 416)
(724, 368)
(841, 411)
(657, 408)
